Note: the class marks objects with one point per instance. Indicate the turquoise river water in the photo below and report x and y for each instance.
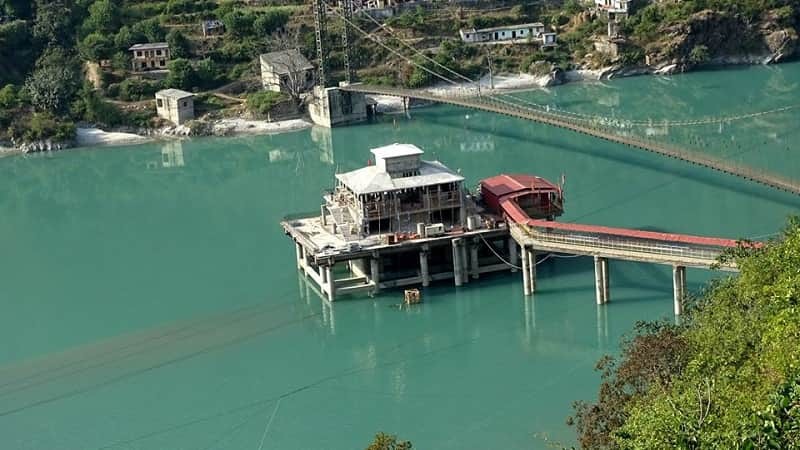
(149, 299)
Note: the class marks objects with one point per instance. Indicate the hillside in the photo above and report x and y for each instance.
(67, 61)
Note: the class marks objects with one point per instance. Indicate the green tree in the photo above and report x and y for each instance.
(8, 97)
(95, 47)
(699, 54)
(127, 37)
(151, 29)
(270, 21)
(178, 44)
(181, 75)
(54, 82)
(261, 103)
(20, 9)
(733, 382)
(53, 23)
(385, 441)
(239, 23)
(104, 16)
(207, 73)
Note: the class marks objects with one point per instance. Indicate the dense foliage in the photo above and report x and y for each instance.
(728, 378)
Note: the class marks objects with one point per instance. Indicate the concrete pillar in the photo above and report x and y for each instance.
(606, 283)
(678, 288)
(322, 215)
(458, 265)
(600, 288)
(462, 246)
(299, 249)
(375, 272)
(526, 273)
(532, 269)
(331, 283)
(512, 253)
(473, 260)
(423, 267)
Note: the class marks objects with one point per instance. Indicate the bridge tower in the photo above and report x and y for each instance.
(332, 106)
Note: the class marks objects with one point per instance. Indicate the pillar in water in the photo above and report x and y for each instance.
(423, 267)
(526, 273)
(458, 267)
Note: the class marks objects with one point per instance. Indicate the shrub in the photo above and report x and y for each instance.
(261, 103)
(8, 97)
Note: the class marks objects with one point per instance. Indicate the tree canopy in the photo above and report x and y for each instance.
(728, 378)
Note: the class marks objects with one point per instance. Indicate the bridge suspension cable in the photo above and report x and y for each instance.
(566, 114)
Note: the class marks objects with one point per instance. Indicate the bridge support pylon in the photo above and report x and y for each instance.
(528, 270)
(678, 288)
(601, 276)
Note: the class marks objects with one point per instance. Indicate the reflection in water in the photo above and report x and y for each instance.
(323, 137)
(311, 296)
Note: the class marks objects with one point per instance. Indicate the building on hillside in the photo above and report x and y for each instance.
(548, 39)
(396, 194)
(285, 71)
(175, 105)
(150, 57)
(614, 9)
(526, 32)
(212, 28)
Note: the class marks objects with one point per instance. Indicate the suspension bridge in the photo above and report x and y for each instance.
(468, 95)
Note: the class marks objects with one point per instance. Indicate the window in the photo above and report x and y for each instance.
(158, 52)
(185, 104)
(162, 63)
(160, 103)
(139, 54)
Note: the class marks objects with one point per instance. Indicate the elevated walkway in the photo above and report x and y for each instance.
(468, 99)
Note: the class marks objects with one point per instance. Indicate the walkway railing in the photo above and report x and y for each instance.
(468, 99)
(617, 247)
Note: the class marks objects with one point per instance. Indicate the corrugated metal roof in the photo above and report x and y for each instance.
(509, 27)
(505, 184)
(372, 179)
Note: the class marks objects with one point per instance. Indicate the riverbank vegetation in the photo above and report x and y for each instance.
(729, 377)
(65, 59)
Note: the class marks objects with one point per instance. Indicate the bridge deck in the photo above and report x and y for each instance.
(490, 104)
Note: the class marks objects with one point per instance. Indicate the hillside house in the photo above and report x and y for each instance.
(614, 9)
(508, 33)
(150, 57)
(286, 71)
(175, 105)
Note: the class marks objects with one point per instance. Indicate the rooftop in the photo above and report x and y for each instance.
(286, 61)
(372, 179)
(396, 150)
(174, 93)
(150, 46)
(504, 184)
(507, 27)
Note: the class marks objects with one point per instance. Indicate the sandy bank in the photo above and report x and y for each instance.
(87, 137)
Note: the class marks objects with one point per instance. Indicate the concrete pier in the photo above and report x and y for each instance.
(532, 269)
(375, 272)
(679, 288)
(458, 265)
(526, 274)
(474, 263)
(601, 279)
(423, 267)
(512, 254)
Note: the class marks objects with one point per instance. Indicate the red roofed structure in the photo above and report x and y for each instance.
(536, 196)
